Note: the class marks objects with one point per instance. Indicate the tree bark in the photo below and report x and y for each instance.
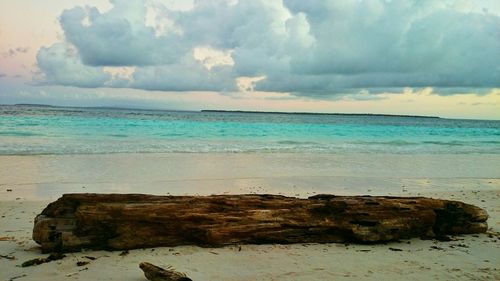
(127, 221)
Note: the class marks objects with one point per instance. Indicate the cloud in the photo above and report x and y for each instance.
(13, 51)
(187, 75)
(307, 48)
(119, 37)
(22, 49)
(61, 65)
(375, 44)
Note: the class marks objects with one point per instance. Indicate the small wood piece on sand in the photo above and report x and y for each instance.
(156, 273)
(37, 261)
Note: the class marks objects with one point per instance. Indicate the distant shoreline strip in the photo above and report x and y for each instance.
(317, 113)
(230, 111)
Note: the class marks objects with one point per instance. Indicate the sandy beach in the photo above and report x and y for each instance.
(29, 183)
(196, 122)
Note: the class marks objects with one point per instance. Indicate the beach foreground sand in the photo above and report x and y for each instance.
(29, 183)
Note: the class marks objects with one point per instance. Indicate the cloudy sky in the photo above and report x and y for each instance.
(425, 57)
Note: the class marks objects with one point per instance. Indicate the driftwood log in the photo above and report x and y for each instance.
(156, 273)
(127, 221)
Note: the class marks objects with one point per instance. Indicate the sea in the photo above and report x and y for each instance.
(36, 130)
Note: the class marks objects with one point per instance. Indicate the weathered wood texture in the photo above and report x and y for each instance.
(128, 221)
(156, 273)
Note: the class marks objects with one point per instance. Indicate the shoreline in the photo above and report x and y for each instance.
(47, 177)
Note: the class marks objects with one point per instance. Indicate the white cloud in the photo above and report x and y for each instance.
(247, 84)
(211, 57)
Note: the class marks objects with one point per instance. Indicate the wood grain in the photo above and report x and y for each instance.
(128, 221)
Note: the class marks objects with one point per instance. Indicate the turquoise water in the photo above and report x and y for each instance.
(57, 130)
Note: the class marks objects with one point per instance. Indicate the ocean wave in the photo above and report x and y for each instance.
(291, 142)
(19, 134)
(118, 135)
(490, 142)
(388, 143)
(110, 147)
(447, 143)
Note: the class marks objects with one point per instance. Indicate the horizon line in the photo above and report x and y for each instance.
(228, 111)
(126, 107)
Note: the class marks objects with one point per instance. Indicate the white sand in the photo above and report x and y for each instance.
(36, 180)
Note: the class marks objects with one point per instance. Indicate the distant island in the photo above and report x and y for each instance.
(33, 105)
(318, 113)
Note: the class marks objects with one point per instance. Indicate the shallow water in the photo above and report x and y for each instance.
(57, 130)
(37, 177)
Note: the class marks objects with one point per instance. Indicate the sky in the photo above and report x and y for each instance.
(439, 57)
